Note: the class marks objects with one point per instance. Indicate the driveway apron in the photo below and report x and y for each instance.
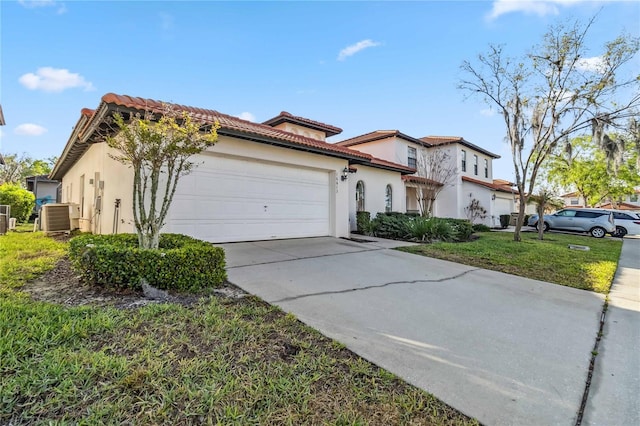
(500, 348)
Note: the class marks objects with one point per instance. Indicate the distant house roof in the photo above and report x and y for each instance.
(448, 140)
(285, 117)
(379, 135)
(420, 180)
(92, 126)
(39, 178)
(491, 185)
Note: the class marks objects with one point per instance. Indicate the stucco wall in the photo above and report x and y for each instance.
(118, 182)
(301, 130)
(375, 184)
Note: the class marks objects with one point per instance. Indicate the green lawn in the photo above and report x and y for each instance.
(220, 361)
(547, 260)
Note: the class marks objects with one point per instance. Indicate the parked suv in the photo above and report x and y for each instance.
(597, 222)
(626, 222)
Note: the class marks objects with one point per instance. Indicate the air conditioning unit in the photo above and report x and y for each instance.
(12, 223)
(55, 218)
(74, 215)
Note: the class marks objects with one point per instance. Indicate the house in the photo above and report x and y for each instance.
(630, 202)
(271, 180)
(44, 189)
(471, 175)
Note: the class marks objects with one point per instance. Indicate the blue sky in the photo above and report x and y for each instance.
(361, 66)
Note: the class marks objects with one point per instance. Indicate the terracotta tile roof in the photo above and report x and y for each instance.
(85, 133)
(285, 117)
(490, 185)
(385, 163)
(570, 194)
(378, 135)
(621, 206)
(448, 140)
(418, 179)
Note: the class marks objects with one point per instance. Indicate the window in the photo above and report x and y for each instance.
(566, 213)
(634, 198)
(589, 215)
(411, 157)
(360, 196)
(574, 201)
(464, 160)
(486, 168)
(475, 165)
(388, 194)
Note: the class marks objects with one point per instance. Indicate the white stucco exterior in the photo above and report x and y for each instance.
(115, 181)
(375, 185)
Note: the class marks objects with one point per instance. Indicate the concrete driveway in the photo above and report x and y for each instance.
(502, 349)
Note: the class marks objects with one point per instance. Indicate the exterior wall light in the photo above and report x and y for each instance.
(345, 174)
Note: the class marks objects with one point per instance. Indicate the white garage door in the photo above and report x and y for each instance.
(226, 200)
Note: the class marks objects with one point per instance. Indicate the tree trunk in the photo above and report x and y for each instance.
(541, 205)
(520, 220)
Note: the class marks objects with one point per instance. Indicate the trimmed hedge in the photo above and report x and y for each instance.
(21, 201)
(181, 263)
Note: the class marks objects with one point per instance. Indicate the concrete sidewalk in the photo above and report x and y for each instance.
(500, 348)
(614, 397)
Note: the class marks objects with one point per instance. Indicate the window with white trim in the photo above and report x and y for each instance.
(412, 157)
(463, 165)
(388, 198)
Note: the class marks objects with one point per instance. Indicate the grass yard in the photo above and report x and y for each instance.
(547, 260)
(218, 361)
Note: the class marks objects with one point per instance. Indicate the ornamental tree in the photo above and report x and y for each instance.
(158, 147)
(552, 93)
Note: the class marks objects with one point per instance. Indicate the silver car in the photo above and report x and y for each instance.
(597, 222)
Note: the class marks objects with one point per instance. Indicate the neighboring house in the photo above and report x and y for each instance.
(44, 189)
(573, 199)
(471, 165)
(278, 179)
(630, 202)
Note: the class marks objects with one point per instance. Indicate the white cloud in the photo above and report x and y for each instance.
(594, 64)
(355, 48)
(247, 116)
(30, 129)
(32, 4)
(540, 8)
(50, 79)
(487, 112)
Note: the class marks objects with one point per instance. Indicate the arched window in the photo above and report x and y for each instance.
(388, 197)
(360, 196)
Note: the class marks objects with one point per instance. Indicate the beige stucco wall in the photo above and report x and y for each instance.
(384, 149)
(118, 182)
(301, 130)
(375, 184)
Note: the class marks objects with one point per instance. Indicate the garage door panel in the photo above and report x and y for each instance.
(239, 200)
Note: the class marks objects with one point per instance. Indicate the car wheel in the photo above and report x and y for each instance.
(598, 232)
(620, 232)
(546, 226)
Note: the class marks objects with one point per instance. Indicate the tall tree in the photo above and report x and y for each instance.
(584, 166)
(18, 167)
(552, 93)
(158, 148)
(437, 170)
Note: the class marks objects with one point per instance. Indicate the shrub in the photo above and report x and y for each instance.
(181, 263)
(430, 229)
(390, 225)
(21, 201)
(363, 222)
(462, 228)
(479, 227)
(504, 220)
